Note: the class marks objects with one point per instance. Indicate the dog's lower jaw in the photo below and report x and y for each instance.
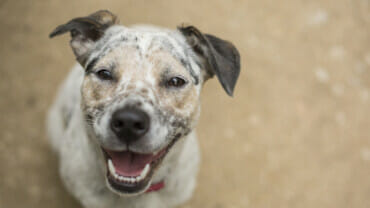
(82, 173)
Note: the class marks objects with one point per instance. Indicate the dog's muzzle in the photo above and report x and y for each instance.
(130, 172)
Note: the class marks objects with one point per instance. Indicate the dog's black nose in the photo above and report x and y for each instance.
(130, 124)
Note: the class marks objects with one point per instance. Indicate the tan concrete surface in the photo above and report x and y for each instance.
(296, 133)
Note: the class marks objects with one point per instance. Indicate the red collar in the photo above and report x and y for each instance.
(155, 187)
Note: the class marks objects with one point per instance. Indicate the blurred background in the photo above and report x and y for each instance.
(296, 133)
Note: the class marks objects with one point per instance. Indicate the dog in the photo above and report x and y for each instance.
(123, 123)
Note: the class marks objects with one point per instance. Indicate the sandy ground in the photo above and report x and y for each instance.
(296, 133)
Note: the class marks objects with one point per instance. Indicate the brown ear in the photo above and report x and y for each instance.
(85, 31)
(220, 56)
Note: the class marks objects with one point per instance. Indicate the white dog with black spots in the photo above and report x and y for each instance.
(123, 123)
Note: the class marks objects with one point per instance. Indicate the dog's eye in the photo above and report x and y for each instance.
(176, 82)
(104, 74)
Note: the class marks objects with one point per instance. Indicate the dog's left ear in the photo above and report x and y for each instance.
(220, 56)
(85, 31)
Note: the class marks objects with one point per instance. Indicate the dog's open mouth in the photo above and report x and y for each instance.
(129, 172)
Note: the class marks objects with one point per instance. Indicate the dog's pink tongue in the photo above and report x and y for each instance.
(128, 163)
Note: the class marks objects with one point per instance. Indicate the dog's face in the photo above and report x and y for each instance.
(146, 74)
(140, 93)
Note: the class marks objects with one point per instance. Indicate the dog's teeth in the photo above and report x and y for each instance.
(137, 179)
(112, 170)
(145, 171)
(124, 179)
(116, 176)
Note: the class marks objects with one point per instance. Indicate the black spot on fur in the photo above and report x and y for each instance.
(91, 65)
(89, 119)
(178, 127)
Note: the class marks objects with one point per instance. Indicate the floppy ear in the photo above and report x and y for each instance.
(85, 31)
(220, 56)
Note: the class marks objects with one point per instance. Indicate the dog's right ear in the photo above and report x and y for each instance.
(85, 31)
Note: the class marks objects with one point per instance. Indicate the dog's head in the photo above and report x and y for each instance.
(141, 88)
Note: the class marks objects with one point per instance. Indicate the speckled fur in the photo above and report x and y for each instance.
(141, 58)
